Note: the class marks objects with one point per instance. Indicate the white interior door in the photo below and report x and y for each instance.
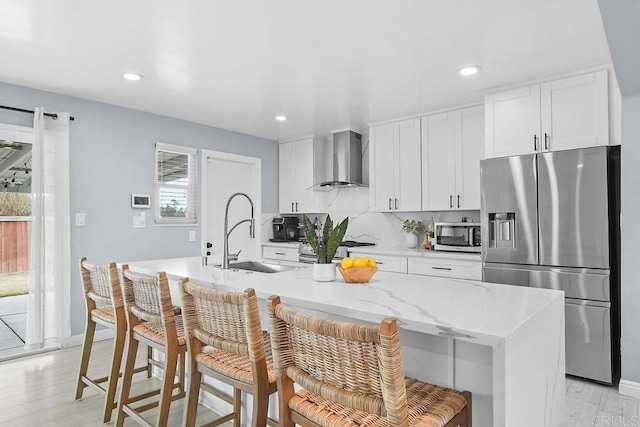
(223, 175)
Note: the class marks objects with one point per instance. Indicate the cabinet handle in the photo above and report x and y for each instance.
(450, 201)
(535, 142)
(390, 203)
(546, 141)
(396, 204)
(296, 206)
(458, 201)
(292, 207)
(441, 268)
(280, 253)
(379, 263)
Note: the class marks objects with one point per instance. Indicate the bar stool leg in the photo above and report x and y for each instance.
(118, 348)
(181, 374)
(167, 386)
(127, 376)
(149, 358)
(191, 409)
(89, 331)
(237, 405)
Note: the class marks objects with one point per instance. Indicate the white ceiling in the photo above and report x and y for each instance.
(327, 65)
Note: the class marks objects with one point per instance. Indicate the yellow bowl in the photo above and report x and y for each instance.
(357, 274)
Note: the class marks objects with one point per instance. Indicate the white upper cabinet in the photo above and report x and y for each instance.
(439, 160)
(383, 166)
(287, 176)
(469, 151)
(407, 184)
(452, 147)
(575, 112)
(512, 122)
(301, 165)
(396, 166)
(557, 115)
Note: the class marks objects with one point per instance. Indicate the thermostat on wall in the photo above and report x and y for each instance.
(140, 201)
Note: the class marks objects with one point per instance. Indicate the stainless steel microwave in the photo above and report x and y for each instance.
(457, 236)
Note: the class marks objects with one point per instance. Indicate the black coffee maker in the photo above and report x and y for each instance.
(285, 229)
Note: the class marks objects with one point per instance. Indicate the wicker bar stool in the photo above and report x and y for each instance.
(352, 375)
(151, 320)
(226, 342)
(103, 299)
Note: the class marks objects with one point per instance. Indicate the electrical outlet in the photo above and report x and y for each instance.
(80, 220)
(192, 236)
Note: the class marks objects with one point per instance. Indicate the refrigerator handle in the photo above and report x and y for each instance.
(546, 141)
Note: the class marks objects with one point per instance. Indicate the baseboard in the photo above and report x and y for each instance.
(629, 388)
(104, 334)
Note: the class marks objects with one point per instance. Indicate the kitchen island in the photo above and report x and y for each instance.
(503, 343)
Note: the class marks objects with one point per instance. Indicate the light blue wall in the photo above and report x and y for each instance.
(112, 156)
(630, 207)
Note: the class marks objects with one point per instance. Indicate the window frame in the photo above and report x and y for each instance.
(191, 187)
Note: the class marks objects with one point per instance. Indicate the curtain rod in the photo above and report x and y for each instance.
(22, 110)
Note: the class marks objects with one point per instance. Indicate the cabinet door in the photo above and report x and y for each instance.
(575, 112)
(438, 161)
(469, 151)
(287, 177)
(512, 122)
(408, 194)
(383, 166)
(304, 162)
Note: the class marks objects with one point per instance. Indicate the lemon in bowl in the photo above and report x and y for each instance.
(357, 270)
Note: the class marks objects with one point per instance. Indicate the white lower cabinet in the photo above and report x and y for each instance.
(280, 253)
(394, 264)
(446, 267)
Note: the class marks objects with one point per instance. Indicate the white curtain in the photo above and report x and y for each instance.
(48, 321)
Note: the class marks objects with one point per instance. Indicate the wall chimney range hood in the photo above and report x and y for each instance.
(347, 160)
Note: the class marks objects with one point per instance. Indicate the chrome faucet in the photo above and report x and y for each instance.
(252, 225)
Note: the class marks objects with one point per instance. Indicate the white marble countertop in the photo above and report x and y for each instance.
(477, 312)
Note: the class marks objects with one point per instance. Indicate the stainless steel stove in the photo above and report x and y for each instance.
(307, 256)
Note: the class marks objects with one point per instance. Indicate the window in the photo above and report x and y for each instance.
(175, 201)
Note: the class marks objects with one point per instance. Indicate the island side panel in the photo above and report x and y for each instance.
(535, 355)
(473, 371)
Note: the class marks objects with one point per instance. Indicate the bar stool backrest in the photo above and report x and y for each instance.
(357, 366)
(101, 283)
(228, 321)
(148, 298)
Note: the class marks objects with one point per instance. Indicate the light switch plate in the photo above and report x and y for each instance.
(80, 220)
(139, 222)
(192, 236)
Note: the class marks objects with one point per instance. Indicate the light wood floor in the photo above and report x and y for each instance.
(39, 391)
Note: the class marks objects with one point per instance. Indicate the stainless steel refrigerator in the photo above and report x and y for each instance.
(551, 220)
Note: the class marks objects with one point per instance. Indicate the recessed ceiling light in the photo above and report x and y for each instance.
(132, 76)
(281, 118)
(469, 70)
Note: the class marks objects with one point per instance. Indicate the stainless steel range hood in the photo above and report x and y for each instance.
(347, 160)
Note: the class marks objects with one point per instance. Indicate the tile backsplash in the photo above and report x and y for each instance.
(382, 228)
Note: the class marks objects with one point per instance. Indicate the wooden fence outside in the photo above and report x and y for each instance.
(15, 238)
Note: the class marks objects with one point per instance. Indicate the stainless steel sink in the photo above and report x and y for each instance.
(261, 267)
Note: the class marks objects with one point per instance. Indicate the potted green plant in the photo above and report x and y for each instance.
(324, 246)
(412, 228)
